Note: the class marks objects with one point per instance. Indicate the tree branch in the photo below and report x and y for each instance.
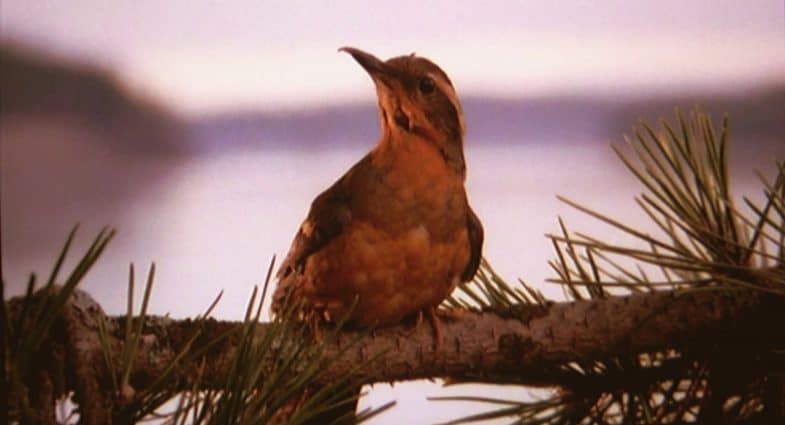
(476, 344)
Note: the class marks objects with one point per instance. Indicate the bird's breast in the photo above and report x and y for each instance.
(389, 276)
(417, 188)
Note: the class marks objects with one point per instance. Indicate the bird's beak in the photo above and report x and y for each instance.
(378, 69)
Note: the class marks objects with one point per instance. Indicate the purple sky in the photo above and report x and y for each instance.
(201, 56)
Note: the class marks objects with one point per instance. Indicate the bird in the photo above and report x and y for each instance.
(395, 234)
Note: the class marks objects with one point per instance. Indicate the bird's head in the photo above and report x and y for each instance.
(416, 97)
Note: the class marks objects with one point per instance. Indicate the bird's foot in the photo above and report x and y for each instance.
(452, 313)
(417, 321)
(437, 330)
(437, 315)
(314, 325)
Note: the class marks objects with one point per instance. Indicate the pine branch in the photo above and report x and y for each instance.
(476, 345)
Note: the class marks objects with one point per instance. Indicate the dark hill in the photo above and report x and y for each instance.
(34, 85)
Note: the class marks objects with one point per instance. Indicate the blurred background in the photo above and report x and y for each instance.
(202, 130)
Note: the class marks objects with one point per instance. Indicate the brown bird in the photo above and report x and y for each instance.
(395, 234)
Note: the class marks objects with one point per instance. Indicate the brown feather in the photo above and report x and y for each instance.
(476, 236)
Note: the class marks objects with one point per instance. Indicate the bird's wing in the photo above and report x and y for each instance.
(476, 236)
(326, 219)
(329, 214)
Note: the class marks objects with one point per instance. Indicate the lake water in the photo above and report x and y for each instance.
(212, 223)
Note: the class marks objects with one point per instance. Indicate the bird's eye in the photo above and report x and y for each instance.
(427, 86)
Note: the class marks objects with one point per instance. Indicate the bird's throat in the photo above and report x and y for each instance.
(402, 120)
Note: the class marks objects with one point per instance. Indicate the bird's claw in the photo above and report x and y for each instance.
(437, 330)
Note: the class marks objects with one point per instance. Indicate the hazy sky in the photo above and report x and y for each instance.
(201, 56)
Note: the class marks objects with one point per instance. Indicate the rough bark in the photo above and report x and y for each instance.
(528, 343)
(84, 356)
